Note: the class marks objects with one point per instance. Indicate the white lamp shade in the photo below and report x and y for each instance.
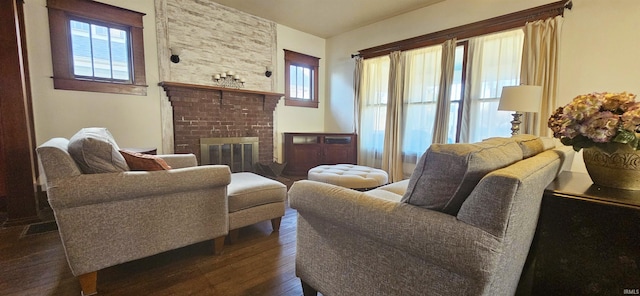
(523, 98)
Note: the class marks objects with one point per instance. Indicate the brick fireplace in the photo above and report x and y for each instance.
(201, 111)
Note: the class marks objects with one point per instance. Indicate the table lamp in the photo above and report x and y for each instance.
(521, 98)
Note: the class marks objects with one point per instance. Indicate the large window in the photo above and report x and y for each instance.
(494, 60)
(301, 79)
(444, 87)
(96, 47)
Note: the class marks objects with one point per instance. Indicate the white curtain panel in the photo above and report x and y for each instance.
(392, 150)
(421, 88)
(441, 132)
(374, 90)
(357, 82)
(496, 61)
(540, 67)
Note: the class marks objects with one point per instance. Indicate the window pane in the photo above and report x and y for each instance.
(292, 80)
(81, 49)
(306, 84)
(101, 52)
(456, 95)
(299, 83)
(119, 54)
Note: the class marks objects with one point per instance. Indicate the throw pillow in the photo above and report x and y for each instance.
(447, 173)
(95, 151)
(144, 162)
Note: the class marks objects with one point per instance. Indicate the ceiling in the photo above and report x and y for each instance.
(326, 18)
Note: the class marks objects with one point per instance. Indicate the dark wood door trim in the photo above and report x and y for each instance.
(16, 120)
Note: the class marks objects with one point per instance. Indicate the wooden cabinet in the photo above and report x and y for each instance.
(587, 241)
(303, 151)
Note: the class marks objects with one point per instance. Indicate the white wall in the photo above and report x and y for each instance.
(134, 121)
(298, 119)
(597, 50)
(437, 17)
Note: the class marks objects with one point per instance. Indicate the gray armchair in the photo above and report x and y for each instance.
(109, 218)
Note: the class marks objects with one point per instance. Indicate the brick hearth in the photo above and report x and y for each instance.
(201, 111)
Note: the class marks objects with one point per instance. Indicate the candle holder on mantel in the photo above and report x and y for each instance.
(228, 79)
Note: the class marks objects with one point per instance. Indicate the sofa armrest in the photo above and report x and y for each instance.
(89, 189)
(178, 161)
(434, 236)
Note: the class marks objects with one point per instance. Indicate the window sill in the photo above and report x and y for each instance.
(300, 103)
(96, 86)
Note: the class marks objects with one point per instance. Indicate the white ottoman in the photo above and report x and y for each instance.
(349, 175)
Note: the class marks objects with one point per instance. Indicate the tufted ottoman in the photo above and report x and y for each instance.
(254, 198)
(349, 175)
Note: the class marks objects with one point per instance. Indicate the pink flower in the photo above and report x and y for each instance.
(584, 106)
(601, 127)
(617, 102)
(598, 118)
(631, 118)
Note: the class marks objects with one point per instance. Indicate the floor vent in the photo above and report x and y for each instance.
(38, 228)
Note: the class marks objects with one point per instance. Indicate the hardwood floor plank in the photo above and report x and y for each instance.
(261, 263)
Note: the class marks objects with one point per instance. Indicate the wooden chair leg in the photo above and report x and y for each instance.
(275, 223)
(88, 283)
(233, 235)
(218, 244)
(308, 290)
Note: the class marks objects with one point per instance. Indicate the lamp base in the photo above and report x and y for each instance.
(515, 123)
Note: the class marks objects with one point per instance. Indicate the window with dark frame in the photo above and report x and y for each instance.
(301, 79)
(96, 47)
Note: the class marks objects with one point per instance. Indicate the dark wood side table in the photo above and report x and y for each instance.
(588, 239)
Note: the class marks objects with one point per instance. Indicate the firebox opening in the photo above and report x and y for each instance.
(240, 153)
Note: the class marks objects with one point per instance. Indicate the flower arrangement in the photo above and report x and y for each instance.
(598, 119)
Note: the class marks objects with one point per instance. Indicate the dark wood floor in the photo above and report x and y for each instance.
(259, 263)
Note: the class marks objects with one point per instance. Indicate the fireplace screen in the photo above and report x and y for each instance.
(238, 153)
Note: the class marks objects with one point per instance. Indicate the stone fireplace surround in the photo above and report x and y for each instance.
(201, 111)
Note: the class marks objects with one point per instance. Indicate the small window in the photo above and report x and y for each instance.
(96, 47)
(100, 52)
(301, 79)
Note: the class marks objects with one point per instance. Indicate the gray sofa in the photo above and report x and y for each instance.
(109, 218)
(462, 225)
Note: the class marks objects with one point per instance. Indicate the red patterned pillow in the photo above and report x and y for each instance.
(144, 162)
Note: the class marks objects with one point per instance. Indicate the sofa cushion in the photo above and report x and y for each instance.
(144, 162)
(530, 144)
(447, 173)
(391, 192)
(95, 151)
(248, 190)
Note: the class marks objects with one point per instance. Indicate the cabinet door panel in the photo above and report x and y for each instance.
(302, 158)
(335, 154)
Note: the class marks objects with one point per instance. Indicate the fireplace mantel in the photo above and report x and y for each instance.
(202, 111)
(169, 86)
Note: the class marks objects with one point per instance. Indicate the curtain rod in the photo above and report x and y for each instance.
(569, 4)
(493, 25)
